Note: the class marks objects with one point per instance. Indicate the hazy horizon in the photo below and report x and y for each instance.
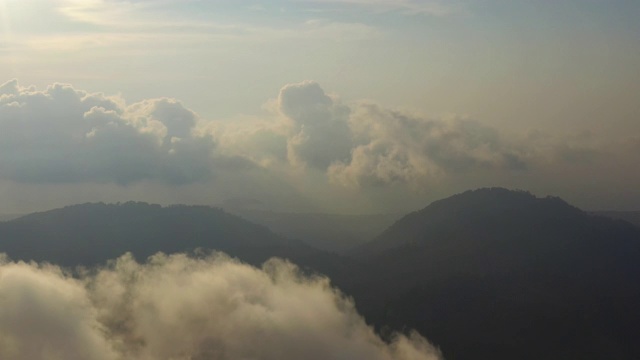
(333, 106)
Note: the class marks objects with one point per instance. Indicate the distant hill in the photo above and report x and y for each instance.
(489, 273)
(501, 274)
(630, 216)
(329, 232)
(90, 234)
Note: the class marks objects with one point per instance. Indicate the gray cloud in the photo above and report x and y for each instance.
(9, 88)
(320, 132)
(309, 129)
(364, 146)
(310, 151)
(176, 307)
(579, 148)
(394, 147)
(66, 135)
(262, 141)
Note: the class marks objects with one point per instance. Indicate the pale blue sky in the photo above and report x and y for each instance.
(567, 70)
(429, 56)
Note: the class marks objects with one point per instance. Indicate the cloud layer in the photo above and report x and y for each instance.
(63, 135)
(362, 144)
(177, 307)
(309, 150)
(394, 147)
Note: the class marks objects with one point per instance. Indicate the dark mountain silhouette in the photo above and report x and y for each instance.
(91, 234)
(501, 274)
(489, 273)
(630, 216)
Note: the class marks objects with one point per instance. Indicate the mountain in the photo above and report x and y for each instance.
(489, 273)
(91, 234)
(330, 232)
(501, 274)
(630, 216)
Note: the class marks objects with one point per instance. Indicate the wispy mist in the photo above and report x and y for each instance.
(179, 307)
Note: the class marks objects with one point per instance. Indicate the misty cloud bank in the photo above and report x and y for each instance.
(61, 135)
(177, 307)
(308, 151)
(364, 145)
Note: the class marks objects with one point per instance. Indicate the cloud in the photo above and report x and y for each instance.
(319, 132)
(364, 145)
(62, 134)
(45, 314)
(359, 155)
(576, 149)
(393, 147)
(177, 307)
(263, 141)
(308, 129)
(309, 151)
(9, 88)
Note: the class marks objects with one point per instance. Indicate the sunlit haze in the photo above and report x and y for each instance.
(340, 106)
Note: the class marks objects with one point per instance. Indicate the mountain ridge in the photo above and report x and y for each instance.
(494, 202)
(91, 233)
(490, 272)
(487, 273)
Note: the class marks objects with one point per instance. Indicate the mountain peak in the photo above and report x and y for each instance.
(91, 233)
(496, 198)
(508, 268)
(485, 213)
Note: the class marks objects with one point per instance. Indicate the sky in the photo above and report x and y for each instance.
(341, 106)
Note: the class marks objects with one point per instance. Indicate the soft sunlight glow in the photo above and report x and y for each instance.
(4, 15)
(90, 11)
(100, 12)
(6, 37)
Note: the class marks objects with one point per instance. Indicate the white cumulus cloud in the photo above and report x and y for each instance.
(178, 307)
